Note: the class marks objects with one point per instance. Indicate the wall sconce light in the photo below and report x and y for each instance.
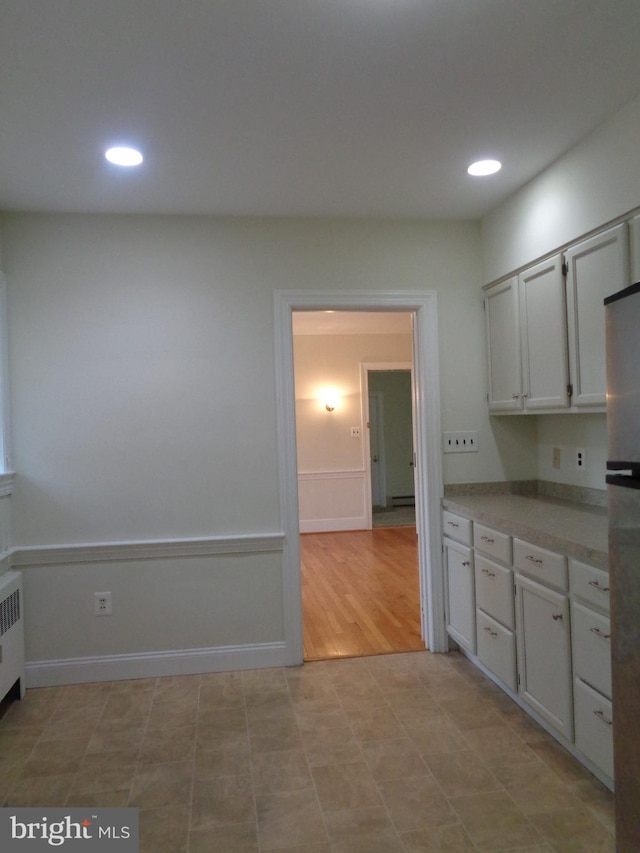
(329, 399)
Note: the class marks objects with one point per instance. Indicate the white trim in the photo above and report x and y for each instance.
(429, 487)
(52, 673)
(6, 484)
(142, 550)
(356, 474)
(333, 525)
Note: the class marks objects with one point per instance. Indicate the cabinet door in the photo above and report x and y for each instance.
(634, 229)
(460, 598)
(544, 653)
(503, 346)
(545, 370)
(596, 268)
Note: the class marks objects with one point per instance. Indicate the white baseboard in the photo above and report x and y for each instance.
(53, 673)
(330, 525)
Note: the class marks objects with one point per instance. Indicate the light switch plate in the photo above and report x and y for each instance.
(460, 442)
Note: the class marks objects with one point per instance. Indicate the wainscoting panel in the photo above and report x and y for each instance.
(332, 500)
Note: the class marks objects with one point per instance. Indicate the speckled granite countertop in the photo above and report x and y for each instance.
(575, 530)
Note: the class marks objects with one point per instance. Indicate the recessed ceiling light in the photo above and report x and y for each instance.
(123, 156)
(484, 167)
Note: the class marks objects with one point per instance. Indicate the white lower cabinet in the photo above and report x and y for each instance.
(544, 653)
(460, 604)
(497, 649)
(594, 726)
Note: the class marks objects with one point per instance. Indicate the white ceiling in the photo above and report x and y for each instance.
(301, 107)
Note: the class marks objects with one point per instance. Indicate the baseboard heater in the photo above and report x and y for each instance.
(403, 500)
(12, 670)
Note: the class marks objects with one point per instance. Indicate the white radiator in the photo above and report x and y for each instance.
(11, 634)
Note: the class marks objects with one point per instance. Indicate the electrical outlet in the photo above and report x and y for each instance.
(102, 603)
(556, 457)
(460, 442)
(355, 432)
(581, 459)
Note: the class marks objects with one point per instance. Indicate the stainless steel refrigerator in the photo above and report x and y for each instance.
(622, 311)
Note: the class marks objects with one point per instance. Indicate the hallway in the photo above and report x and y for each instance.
(360, 593)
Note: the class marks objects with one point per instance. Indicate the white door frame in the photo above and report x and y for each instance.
(365, 368)
(423, 306)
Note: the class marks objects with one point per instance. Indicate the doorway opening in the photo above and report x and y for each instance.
(428, 473)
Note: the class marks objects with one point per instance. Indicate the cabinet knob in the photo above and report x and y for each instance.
(487, 539)
(466, 563)
(533, 560)
(491, 633)
(515, 396)
(453, 523)
(556, 616)
(488, 573)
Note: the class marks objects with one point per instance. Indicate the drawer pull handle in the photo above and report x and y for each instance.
(534, 560)
(488, 539)
(453, 523)
(556, 616)
(597, 586)
(600, 715)
(488, 573)
(466, 563)
(600, 634)
(491, 633)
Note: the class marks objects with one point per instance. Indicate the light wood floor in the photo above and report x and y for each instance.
(360, 593)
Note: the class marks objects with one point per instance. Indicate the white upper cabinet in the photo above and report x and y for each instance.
(546, 326)
(543, 324)
(634, 228)
(596, 268)
(503, 342)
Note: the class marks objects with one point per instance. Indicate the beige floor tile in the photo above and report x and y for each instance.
(361, 691)
(163, 715)
(468, 717)
(84, 695)
(99, 799)
(435, 741)
(56, 757)
(536, 788)
(274, 734)
(160, 746)
(438, 839)
(416, 803)
(164, 830)
(371, 722)
(49, 791)
(599, 799)
(499, 745)
(560, 761)
(394, 759)
(574, 831)
(391, 681)
(222, 726)
(220, 759)
(362, 831)
(494, 822)
(345, 786)
(156, 785)
(97, 779)
(177, 688)
(238, 838)
(16, 744)
(303, 848)
(127, 706)
(116, 740)
(222, 690)
(222, 801)
(260, 681)
(289, 819)
(68, 722)
(262, 706)
(275, 772)
(460, 773)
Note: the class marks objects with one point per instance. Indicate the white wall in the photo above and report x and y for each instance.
(142, 377)
(594, 183)
(334, 501)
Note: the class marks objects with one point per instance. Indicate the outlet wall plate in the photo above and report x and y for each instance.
(460, 442)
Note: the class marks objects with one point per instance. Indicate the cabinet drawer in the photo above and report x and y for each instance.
(591, 643)
(494, 590)
(594, 726)
(497, 649)
(540, 564)
(456, 527)
(589, 584)
(492, 543)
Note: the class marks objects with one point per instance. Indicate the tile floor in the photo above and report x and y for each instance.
(407, 752)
